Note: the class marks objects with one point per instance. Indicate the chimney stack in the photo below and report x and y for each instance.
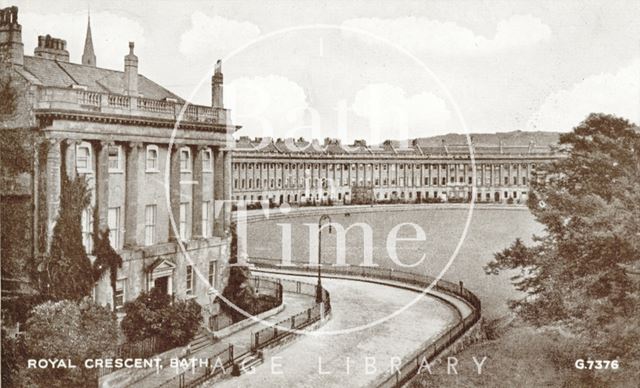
(216, 86)
(52, 48)
(11, 47)
(131, 72)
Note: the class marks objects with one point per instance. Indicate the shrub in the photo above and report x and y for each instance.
(153, 315)
(68, 330)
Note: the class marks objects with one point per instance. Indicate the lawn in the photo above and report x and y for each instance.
(490, 230)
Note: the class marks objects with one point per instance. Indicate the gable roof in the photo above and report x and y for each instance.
(53, 73)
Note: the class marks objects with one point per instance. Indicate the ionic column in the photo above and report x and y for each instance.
(174, 191)
(133, 232)
(228, 175)
(102, 185)
(196, 192)
(52, 171)
(219, 192)
(70, 158)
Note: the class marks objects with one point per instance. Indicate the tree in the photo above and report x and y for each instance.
(107, 259)
(74, 330)
(574, 275)
(152, 314)
(239, 290)
(67, 269)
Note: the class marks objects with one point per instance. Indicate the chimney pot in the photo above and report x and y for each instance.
(131, 72)
(217, 90)
(11, 46)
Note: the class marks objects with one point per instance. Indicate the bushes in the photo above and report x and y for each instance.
(66, 330)
(153, 315)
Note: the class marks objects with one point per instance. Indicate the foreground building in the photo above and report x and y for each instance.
(114, 128)
(303, 172)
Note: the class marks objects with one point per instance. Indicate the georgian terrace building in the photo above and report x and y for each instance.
(114, 128)
(299, 171)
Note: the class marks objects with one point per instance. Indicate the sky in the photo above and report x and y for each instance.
(371, 69)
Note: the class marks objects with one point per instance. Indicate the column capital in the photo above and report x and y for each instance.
(134, 145)
(107, 143)
(72, 142)
(53, 141)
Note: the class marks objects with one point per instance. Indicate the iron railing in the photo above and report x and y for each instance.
(411, 365)
(261, 285)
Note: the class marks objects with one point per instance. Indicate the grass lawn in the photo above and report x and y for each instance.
(491, 230)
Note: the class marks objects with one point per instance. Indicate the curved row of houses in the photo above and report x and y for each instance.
(303, 172)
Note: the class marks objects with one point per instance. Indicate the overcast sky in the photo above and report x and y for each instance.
(374, 69)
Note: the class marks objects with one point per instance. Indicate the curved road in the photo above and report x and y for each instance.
(341, 360)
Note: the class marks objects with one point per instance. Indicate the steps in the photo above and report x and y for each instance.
(200, 341)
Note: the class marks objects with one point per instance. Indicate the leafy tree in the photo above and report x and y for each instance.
(74, 330)
(107, 259)
(153, 315)
(67, 268)
(239, 290)
(575, 274)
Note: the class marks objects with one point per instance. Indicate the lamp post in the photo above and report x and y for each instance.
(324, 217)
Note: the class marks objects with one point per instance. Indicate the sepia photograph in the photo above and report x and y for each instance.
(320, 194)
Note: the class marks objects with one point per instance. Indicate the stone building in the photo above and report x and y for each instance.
(114, 128)
(303, 172)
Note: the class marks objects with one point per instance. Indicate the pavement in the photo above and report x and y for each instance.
(241, 339)
(357, 358)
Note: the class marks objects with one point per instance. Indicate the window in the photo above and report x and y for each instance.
(113, 221)
(185, 160)
(83, 158)
(152, 158)
(87, 229)
(212, 273)
(115, 159)
(119, 296)
(206, 161)
(150, 216)
(206, 229)
(184, 208)
(190, 280)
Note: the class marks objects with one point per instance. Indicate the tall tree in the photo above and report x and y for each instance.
(68, 268)
(575, 275)
(107, 259)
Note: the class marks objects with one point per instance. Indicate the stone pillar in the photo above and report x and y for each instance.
(219, 192)
(102, 185)
(133, 233)
(196, 193)
(52, 172)
(174, 191)
(70, 158)
(228, 172)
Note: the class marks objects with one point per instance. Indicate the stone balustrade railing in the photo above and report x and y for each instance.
(84, 101)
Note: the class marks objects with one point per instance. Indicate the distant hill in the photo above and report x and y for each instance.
(514, 138)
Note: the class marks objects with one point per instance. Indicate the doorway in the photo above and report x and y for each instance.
(162, 283)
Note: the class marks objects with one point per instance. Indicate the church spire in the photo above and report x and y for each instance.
(88, 56)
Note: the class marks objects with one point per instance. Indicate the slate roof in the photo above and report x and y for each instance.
(391, 148)
(53, 73)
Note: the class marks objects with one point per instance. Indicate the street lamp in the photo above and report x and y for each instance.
(324, 217)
